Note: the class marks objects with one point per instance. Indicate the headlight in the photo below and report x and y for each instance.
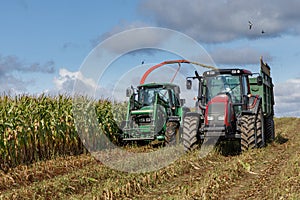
(144, 120)
(148, 119)
(221, 118)
(210, 118)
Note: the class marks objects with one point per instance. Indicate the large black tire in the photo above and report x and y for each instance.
(184, 111)
(252, 131)
(269, 129)
(172, 134)
(161, 118)
(189, 133)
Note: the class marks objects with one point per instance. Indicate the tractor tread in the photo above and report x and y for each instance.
(252, 135)
(189, 135)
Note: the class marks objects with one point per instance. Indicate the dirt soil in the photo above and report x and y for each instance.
(272, 172)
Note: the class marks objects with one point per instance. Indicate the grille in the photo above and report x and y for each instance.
(216, 114)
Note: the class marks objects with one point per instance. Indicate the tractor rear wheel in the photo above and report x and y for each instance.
(172, 134)
(252, 135)
(189, 133)
(269, 129)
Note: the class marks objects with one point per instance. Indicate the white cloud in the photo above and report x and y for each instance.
(66, 82)
(76, 83)
(66, 76)
(287, 98)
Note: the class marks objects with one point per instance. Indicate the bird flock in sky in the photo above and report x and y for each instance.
(250, 27)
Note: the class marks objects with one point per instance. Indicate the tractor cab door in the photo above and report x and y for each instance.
(146, 96)
(174, 102)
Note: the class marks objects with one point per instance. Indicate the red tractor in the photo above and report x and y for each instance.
(232, 104)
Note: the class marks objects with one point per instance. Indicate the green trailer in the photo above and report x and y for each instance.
(264, 88)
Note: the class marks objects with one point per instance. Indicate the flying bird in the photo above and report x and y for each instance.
(143, 62)
(262, 31)
(250, 25)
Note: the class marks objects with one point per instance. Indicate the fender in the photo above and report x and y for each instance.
(194, 114)
(253, 104)
(200, 116)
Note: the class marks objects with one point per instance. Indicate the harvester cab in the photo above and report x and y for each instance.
(232, 104)
(154, 112)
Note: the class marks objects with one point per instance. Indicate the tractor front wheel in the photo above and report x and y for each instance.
(172, 134)
(189, 134)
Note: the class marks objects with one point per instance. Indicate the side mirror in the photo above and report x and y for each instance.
(182, 102)
(259, 80)
(188, 84)
(129, 92)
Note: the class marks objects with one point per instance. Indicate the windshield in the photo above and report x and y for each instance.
(146, 96)
(224, 83)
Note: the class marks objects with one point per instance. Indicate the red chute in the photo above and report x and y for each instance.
(159, 65)
(171, 62)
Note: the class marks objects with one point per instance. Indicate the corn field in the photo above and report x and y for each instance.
(43, 127)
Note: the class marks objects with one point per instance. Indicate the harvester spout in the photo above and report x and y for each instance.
(142, 81)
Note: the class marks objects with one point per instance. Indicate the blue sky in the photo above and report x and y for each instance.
(44, 43)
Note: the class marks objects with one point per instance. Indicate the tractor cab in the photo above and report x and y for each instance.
(146, 95)
(234, 83)
(150, 107)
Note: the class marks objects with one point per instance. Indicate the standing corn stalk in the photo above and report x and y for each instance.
(40, 128)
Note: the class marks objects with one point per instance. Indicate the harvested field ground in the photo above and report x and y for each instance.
(272, 172)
